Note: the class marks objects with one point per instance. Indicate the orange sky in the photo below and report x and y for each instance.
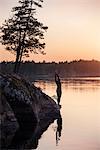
(73, 33)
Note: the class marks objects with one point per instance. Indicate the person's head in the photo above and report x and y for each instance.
(56, 74)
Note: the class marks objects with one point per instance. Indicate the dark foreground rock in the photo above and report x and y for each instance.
(24, 110)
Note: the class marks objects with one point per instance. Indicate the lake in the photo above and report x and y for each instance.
(80, 112)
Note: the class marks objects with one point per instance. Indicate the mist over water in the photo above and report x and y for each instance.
(79, 126)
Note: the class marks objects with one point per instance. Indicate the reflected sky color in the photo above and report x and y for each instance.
(80, 116)
(74, 29)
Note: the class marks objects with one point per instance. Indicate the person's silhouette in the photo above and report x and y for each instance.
(58, 83)
(59, 129)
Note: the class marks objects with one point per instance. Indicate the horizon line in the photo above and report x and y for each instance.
(52, 61)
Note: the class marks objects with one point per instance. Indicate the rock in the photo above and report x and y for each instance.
(22, 105)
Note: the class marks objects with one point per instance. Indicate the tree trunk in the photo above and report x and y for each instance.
(21, 52)
(20, 58)
(16, 62)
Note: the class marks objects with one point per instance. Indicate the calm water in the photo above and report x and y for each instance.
(80, 113)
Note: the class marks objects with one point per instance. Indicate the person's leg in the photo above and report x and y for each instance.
(58, 100)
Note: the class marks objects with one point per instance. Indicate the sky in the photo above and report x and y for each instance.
(73, 29)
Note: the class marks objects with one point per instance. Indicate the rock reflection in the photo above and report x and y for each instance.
(21, 138)
(29, 139)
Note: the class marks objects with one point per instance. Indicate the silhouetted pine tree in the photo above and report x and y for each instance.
(23, 33)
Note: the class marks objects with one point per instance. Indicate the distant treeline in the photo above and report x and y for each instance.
(46, 70)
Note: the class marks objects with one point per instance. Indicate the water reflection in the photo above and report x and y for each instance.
(29, 138)
(21, 138)
(81, 116)
(77, 84)
(59, 129)
(81, 84)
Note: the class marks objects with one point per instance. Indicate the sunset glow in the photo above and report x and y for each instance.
(73, 29)
(50, 74)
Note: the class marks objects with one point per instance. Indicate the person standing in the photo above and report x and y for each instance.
(58, 83)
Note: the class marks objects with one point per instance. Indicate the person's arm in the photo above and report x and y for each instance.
(56, 77)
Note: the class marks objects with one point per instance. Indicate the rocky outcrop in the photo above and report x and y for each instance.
(23, 106)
